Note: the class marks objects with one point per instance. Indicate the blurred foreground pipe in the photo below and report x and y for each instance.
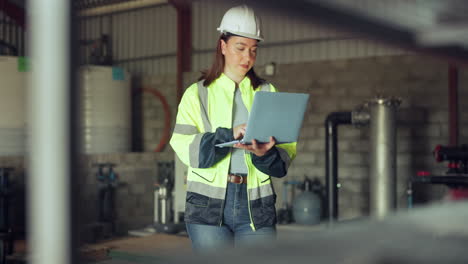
(49, 204)
(383, 156)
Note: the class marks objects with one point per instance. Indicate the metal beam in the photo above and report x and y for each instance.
(453, 104)
(184, 41)
(120, 7)
(325, 12)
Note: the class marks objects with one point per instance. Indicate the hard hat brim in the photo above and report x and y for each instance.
(241, 34)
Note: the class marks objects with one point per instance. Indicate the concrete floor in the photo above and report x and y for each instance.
(431, 235)
(148, 249)
(158, 248)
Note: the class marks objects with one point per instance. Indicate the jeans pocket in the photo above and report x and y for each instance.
(197, 200)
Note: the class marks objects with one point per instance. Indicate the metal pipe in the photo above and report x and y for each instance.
(285, 43)
(453, 104)
(17, 45)
(49, 200)
(383, 156)
(163, 199)
(156, 206)
(331, 160)
(4, 200)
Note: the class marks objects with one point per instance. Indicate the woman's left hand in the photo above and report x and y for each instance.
(259, 149)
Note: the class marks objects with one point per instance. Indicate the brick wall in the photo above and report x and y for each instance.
(342, 85)
(149, 113)
(137, 173)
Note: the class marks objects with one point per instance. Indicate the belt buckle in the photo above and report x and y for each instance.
(241, 179)
(234, 176)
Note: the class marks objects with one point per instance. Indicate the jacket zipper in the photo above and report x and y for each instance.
(249, 166)
(222, 205)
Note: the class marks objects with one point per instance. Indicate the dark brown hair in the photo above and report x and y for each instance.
(211, 74)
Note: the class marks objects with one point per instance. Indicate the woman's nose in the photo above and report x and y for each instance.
(248, 55)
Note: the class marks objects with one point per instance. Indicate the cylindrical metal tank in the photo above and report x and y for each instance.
(12, 106)
(307, 208)
(383, 156)
(105, 108)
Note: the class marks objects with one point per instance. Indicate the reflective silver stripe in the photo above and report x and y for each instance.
(284, 156)
(194, 149)
(265, 87)
(205, 189)
(185, 129)
(260, 192)
(203, 97)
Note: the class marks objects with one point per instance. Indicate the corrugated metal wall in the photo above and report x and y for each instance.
(287, 39)
(11, 37)
(144, 41)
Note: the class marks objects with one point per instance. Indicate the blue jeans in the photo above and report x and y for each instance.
(235, 230)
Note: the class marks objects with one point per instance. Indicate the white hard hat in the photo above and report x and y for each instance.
(241, 20)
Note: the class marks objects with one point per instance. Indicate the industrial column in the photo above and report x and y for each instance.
(383, 156)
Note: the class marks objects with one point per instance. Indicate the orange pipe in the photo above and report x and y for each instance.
(167, 117)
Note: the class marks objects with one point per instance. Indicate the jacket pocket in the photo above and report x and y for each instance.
(206, 175)
(263, 177)
(197, 200)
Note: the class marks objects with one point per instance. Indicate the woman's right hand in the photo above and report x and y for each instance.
(239, 131)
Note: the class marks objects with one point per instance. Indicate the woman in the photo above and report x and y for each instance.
(230, 199)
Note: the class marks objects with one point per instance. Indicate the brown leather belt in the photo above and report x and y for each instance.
(238, 179)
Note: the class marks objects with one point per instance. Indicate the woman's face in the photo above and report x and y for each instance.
(239, 55)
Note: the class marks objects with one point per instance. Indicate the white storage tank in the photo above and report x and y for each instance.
(12, 106)
(105, 108)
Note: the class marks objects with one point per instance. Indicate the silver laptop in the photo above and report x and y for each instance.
(274, 114)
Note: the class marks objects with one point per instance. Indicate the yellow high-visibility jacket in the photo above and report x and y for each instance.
(204, 119)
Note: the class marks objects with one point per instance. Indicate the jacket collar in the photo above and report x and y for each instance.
(226, 82)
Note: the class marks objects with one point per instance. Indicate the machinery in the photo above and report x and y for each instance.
(307, 207)
(166, 219)
(6, 233)
(380, 114)
(456, 177)
(107, 183)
